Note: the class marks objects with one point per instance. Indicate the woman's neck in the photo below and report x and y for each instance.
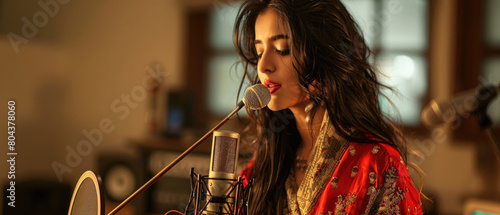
(307, 135)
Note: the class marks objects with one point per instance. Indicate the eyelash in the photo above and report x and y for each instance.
(280, 52)
(283, 52)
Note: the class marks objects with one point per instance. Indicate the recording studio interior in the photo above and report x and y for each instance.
(122, 88)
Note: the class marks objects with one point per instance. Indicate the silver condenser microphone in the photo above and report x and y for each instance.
(222, 173)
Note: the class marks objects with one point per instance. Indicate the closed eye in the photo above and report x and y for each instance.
(280, 52)
(283, 52)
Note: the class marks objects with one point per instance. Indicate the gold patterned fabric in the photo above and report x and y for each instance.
(352, 178)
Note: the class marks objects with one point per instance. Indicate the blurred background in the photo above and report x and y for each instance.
(122, 87)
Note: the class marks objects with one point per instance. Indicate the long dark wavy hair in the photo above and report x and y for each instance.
(330, 53)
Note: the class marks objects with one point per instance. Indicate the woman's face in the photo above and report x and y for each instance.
(275, 67)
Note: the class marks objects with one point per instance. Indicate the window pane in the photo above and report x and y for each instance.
(223, 83)
(492, 22)
(403, 24)
(407, 74)
(363, 12)
(222, 23)
(490, 76)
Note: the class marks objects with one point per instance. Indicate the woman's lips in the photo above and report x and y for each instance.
(273, 89)
(272, 86)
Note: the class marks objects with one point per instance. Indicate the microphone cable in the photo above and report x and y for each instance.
(174, 211)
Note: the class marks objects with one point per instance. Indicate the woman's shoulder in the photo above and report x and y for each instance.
(376, 152)
(375, 145)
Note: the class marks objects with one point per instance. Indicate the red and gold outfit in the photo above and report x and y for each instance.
(351, 178)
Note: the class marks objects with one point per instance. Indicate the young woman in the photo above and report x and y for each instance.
(322, 144)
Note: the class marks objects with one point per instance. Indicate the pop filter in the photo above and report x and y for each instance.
(88, 196)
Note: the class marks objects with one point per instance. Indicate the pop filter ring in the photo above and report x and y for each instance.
(76, 199)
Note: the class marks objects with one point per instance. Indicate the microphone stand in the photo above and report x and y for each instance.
(494, 141)
(173, 163)
(484, 122)
(485, 96)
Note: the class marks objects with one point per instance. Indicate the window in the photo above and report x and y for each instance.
(223, 74)
(397, 33)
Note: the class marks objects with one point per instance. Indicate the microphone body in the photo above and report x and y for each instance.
(222, 172)
(469, 102)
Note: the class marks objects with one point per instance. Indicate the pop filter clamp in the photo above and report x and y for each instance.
(235, 202)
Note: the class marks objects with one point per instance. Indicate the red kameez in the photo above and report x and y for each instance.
(351, 178)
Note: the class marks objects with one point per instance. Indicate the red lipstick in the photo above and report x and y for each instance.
(272, 86)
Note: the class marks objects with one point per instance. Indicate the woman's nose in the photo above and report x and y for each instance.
(266, 63)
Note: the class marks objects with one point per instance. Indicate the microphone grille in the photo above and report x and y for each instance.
(225, 150)
(257, 96)
(225, 153)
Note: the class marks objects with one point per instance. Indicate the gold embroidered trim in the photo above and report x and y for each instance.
(327, 154)
(372, 192)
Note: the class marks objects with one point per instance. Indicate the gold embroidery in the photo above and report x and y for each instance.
(392, 194)
(326, 156)
(372, 192)
(330, 150)
(352, 150)
(373, 177)
(291, 192)
(375, 149)
(342, 202)
(335, 180)
(354, 171)
(301, 163)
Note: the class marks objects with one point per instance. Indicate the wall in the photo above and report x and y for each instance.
(86, 64)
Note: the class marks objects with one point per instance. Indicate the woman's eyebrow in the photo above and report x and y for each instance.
(273, 38)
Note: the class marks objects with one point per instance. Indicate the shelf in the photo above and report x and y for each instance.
(171, 144)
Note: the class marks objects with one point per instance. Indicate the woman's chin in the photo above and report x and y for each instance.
(274, 107)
